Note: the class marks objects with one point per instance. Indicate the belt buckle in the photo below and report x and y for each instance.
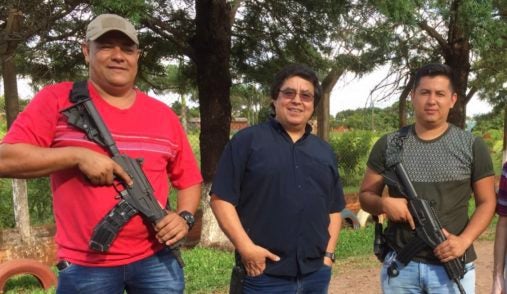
(62, 264)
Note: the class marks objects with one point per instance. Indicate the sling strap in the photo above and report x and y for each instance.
(107, 229)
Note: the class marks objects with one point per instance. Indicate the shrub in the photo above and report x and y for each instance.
(491, 137)
(352, 150)
(6, 207)
(39, 202)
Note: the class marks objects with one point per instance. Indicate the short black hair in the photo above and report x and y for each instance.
(297, 70)
(433, 70)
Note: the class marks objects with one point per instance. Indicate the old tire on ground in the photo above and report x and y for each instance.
(41, 272)
(350, 218)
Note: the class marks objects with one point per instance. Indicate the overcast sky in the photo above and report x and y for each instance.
(348, 93)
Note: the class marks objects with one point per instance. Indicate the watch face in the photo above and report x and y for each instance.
(188, 217)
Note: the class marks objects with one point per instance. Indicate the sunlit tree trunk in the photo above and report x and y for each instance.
(323, 108)
(8, 52)
(212, 46)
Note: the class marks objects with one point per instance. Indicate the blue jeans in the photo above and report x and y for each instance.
(417, 277)
(159, 273)
(316, 282)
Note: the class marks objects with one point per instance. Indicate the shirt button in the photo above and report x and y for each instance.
(297, 166)
(299, 186)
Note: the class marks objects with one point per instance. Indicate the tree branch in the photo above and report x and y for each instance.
(234, 9)
(168, 33)
(435, 35)
(331, 78)
(470, 94)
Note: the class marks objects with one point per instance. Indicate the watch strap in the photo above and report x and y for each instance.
(330, 255)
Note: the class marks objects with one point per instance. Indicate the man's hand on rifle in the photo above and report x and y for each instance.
(171, 229)
(452, 248)
(396, 209)
(100, 169)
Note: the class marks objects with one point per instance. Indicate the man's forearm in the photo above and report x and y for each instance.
(371, 203)
(371, 191)
(230, 224)
(189, 198)
(478, 223)
(335, 223)
(29, 161)
(485, 201)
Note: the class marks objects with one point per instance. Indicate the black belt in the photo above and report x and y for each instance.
(63, 264)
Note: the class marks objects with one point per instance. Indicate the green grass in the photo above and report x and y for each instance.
(355, 242)
(355, 249)
(207, 270)
(25, 284)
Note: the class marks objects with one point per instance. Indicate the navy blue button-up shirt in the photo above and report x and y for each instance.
(283, 193)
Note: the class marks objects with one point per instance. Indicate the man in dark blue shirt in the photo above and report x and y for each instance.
(277, 194)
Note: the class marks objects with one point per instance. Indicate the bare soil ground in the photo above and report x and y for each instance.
(361, 275)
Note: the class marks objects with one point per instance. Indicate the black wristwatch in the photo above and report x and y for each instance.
(189, 218)
(331, 256)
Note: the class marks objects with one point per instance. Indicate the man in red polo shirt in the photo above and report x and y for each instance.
(41, 143)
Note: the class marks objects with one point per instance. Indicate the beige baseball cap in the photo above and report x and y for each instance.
(110, 22)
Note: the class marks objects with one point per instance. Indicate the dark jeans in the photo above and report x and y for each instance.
(316, 282)
(156, 274)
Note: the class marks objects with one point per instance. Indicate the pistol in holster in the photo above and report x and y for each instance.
(380, 248)
(237, 276)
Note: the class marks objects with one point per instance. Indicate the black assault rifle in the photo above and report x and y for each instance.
(428, 228)
(137, 198)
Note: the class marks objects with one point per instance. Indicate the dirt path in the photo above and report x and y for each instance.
(364, 278)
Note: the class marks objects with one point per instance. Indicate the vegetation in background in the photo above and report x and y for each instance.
(6, 205)
(39, 202)
(490, 121)
(352, 149)
(355, 242)
(207, 270)
(371, 118)
(490, 128)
